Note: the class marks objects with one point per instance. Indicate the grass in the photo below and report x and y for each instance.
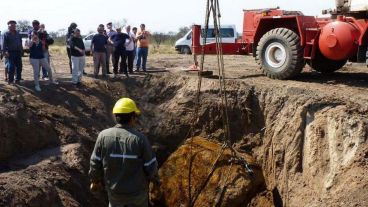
(162, 49)
(58, 50)
(154, 49)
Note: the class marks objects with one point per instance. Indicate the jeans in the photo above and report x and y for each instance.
(44, 70)
(142, 53)
(129, 56)
(36, 64)
(117, 55)
(15, 63)
(78, 64)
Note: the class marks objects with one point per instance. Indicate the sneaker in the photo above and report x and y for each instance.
(37, 88)
(84, 73)
(17, 81)
(55, 82)
(108, 72)
(45, 78)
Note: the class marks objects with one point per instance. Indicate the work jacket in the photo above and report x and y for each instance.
(123, 159)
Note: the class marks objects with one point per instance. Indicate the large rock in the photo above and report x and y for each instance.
(230, 184)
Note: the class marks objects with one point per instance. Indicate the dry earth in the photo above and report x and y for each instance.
(308, 135)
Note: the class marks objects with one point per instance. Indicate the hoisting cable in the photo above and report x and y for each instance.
(213, 6)
(197, 105)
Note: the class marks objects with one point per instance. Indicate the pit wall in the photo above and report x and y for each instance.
(312, 148)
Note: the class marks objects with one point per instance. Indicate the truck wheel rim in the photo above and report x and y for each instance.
(275, 55)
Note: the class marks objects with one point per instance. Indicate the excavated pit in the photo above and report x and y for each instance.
(311, 148)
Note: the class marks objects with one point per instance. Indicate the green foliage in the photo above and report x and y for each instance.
(23, 25)
(159, 38)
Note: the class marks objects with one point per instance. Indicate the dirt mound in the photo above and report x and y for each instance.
(58, 180)
(22, 131)
(230, 184)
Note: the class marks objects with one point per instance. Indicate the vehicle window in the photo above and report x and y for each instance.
(225, 33)
(22, 35)
(189, 36)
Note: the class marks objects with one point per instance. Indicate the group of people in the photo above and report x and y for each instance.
(38, 43)
(121, 48)
(118, 47)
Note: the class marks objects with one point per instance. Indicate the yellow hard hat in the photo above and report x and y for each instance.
(125, 106)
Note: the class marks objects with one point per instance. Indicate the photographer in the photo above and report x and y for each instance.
(37, 49)
(44, 36)
(142, 50)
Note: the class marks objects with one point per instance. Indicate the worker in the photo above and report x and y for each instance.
(122, 160)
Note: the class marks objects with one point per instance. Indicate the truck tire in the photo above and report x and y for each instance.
(279, 54)
(186, 50)
(324, 65)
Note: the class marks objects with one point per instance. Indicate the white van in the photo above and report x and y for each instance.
(228, 34)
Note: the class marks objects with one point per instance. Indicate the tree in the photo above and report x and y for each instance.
(120, 24)
(23, 25)
(183, 31)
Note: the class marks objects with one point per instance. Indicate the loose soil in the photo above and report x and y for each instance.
(307, 136)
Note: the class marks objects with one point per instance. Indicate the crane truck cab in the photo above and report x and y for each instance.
(228, 34)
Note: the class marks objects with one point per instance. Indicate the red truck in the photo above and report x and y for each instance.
(282, 42)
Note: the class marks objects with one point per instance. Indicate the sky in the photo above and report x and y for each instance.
(158, 15)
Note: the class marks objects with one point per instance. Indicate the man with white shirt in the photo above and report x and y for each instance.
(109, 47)
(129, 50)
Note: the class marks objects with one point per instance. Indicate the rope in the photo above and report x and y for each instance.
(212, 6)
(197, 105)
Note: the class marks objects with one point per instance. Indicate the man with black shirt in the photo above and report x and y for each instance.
(13, 50)
(99, 42)
(118, 40)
